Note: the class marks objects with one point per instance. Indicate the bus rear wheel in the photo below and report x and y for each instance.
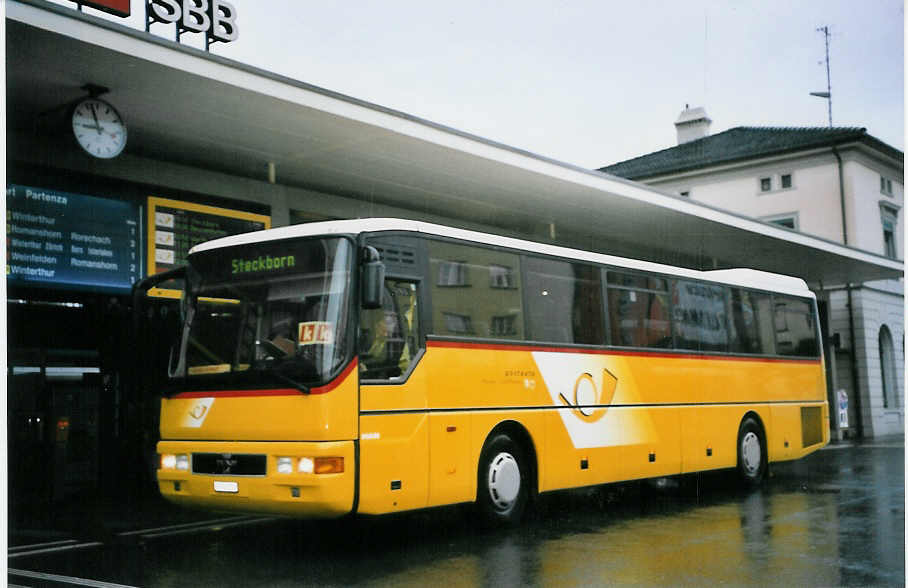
(503, 487)
(752, 458)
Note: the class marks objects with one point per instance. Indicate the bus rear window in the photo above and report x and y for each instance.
(796, 332)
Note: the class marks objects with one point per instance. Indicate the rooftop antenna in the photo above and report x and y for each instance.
(828, 93)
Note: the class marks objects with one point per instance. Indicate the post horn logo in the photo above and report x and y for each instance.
(198, 411)
(590, 403)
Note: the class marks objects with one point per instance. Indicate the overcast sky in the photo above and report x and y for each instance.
(587, 82)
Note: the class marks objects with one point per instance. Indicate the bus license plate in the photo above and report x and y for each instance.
(231, 487)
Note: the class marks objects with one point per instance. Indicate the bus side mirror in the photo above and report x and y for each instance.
(373, 278)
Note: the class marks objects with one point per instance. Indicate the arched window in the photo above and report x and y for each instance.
(887, 369)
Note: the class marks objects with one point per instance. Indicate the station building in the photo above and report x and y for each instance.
(837, 183)
(216, 147)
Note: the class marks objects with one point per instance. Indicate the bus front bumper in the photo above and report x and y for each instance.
(208, 480)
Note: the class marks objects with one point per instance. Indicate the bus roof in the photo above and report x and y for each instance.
(744, 277)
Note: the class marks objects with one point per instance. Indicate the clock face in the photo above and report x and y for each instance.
(98, 128)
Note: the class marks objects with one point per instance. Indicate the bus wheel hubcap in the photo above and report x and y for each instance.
(750, 452)
(504, 480)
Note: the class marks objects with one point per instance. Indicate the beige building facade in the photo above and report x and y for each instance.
(839, 184)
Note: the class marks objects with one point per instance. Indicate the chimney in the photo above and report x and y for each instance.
(692, 124)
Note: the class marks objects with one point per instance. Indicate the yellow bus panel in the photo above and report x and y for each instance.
(394, 456)
(325, 414)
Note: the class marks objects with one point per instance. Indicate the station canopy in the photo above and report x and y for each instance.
(199, 110)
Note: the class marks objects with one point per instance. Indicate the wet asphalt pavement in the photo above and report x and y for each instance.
(835, 518)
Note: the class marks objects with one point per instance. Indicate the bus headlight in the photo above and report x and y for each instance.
(307, 466)
(180, 461)
(284, 465)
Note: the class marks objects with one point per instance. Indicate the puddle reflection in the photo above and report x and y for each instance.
(761, 538)
(811, 525)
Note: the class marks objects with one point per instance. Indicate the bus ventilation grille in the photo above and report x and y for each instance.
(229, 464)
(811, 425)
(400, 256)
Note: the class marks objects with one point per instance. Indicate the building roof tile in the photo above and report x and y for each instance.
(742, 143)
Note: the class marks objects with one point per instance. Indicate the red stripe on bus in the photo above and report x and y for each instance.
(621, 352)
(272, 392)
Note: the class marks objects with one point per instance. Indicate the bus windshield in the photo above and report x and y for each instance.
(277, 310)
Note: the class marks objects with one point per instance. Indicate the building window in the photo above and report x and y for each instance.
(886, 186)
(889, 240)
(789, 220)
(786, 181)
(887, 367)
(501, 276)
(452, 273)
(458, 324)
(503, 326)
(889, 219)
(765, 184)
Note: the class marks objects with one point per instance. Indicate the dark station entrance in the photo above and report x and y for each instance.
(80, 415)
(85, 364)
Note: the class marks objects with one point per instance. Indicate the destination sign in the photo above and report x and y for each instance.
(174, 227)
(58, 238)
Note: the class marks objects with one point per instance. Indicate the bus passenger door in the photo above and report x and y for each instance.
(394, 423)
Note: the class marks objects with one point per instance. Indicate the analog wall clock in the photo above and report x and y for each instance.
(99, 129)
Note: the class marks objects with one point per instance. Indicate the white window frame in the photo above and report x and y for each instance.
(773, 219)
(790, 181)
(889, 214)
(775, 182)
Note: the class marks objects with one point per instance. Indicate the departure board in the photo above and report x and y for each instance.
(174, 227)
(60, 239)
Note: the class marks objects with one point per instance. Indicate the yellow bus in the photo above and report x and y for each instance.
(381, 365)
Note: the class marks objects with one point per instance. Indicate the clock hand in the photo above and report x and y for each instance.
(94, 113)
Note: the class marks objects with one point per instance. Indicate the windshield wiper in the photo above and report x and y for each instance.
(288, 380)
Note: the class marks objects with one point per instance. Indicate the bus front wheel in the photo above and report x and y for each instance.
(752, 458)
(503, 487)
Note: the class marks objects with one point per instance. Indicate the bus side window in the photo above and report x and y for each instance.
(389, 336)
(638, 308)
(752, 329)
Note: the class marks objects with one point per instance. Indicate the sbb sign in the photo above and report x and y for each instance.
(215, 18)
